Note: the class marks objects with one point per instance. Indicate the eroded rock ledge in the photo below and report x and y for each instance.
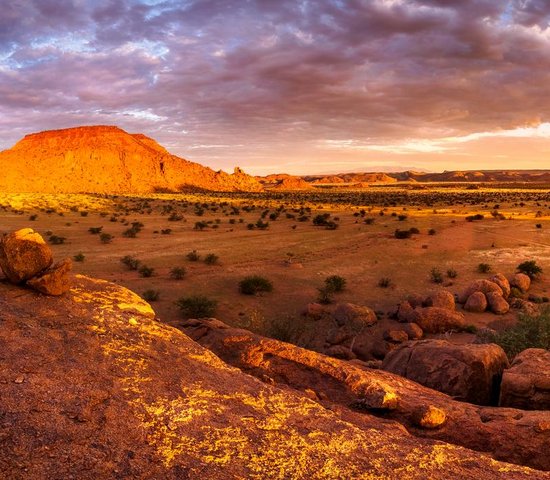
(93, 387)
(508, 434)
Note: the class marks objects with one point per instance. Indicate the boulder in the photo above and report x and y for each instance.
(469, 372)
(497, 304)
(442, 299)
(526, 384)
(437, 320)
(414, 332)
(23, 255)
(520, 281)
(477, 302)
(404, 310)
(354, 315)
(314, 311)
(484, 286)
(339, 351)
(396, 336)
(54, 281)
(415, 300)
(503, 283)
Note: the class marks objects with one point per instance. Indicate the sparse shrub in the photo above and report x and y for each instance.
(517, 293)
(174, 217)
(431, 231)
(131, 262)
(325, 296)
(146, 271)
(471, 218)
(150, 295)
(384, 282)
(321, 219)
(79, 257)
(83, 213)
(484, 268)
(32, 218)
(254, 284)
(193, 256)
(529, 268)
(402, 234)
(197, 306)
(529, 332)
(402, 218)
(470, 328)
(177, 273)
(538, 225)
(200, 226)
(452, 273)
(106, 237)
(95, 230)
(414, 231)
(335, 283)
(211, 259)
(130, 233)
(57, 240)
(436, 276)
(166, 231)
(262, 225)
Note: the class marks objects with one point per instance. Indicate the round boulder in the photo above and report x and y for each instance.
(503, 283)
(23, 255)
(497, 304)
(441, 299)
(521, 281)
(413, 331)
(437, 320)
(429, 417)
(484, 286)
(356, 315)
(477, 302)
(404, 311)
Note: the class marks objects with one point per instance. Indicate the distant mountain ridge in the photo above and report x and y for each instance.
(106, 159)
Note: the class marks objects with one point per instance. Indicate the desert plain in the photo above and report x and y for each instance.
(295, 254)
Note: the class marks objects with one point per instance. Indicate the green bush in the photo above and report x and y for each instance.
(193, 256)
(57, 240)
(211, 259)
(79, 257)
(484, 268)
(146, 271)
(197, 306)
(106, 237)
(254, 284)
(131, 262)
(529, 332)
(384, 282)
(436, 276)
(150, 295)
(335, 283)
(529, 268)
(177, 273)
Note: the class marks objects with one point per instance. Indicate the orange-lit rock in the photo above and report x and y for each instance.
(23, 255)
(506, 434)
(54, 281)
(105, 159)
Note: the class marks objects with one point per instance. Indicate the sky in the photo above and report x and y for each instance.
(288, 86)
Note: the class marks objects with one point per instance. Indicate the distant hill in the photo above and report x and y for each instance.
(106, 159)
(365, 179)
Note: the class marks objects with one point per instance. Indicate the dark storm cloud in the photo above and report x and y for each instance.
(274, 76)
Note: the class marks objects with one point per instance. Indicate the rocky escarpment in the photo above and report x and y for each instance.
(349, 387)
(94, 387)
(106, 159)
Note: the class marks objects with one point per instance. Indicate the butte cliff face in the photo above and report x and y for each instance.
(94, 387)
(105, 159)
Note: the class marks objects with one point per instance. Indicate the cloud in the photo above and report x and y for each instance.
(280, 77)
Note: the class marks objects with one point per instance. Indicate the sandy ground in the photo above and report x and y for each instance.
(361, 253)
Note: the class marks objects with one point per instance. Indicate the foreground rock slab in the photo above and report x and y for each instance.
(93, 387)
(526, 384)
(507, 434)
(466, 372)
(23, 255)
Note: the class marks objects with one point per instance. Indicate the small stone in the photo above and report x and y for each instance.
(429, 417)
(19, 379)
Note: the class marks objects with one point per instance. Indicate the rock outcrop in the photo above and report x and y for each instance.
(106, 159)
(23, 255)
(526, 384)
(354, 393)
(469, 372)
(93, 387)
